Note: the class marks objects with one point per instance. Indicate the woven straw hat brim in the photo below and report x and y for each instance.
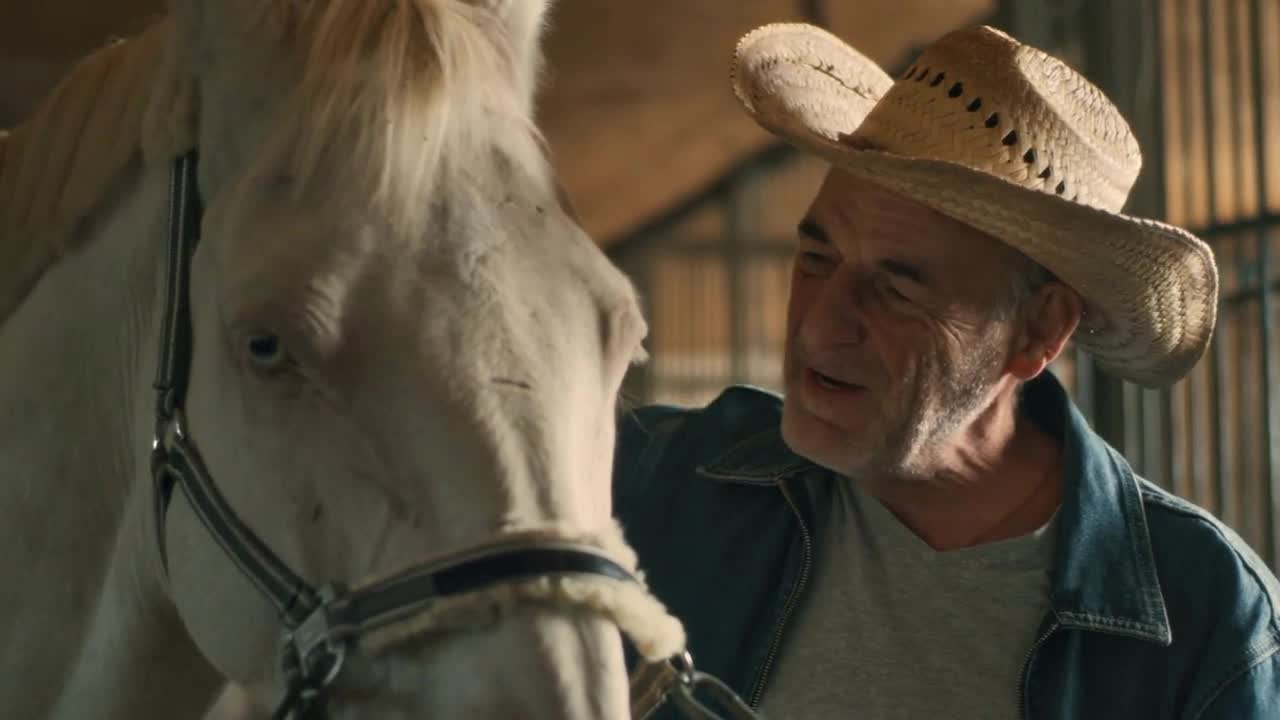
(1150, 289)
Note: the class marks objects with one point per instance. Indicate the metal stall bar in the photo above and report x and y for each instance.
(1086, 384)
(1211, 160)
(645, 254)
(1174, 465)
(1226, 483)
(765, 160)
(1225, 492)
(742, 213)
(1069, 24)
(1163, 460)
(1116, 417)
(1142, 21)
(815, 12)
(1271, 444)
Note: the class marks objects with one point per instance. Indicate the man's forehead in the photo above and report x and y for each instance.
(859, 202)
(850, 209)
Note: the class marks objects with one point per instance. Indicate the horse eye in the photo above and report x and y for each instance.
(266, 351)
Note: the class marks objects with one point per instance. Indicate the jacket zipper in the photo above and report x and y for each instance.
(1023, 703)
(792, 600)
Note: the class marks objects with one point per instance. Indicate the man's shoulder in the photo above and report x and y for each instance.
(1207, 567)
(694, 436)
(743, 408)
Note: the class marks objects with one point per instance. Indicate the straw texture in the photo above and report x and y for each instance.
(1012, 141)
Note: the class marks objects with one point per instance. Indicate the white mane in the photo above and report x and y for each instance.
(386, 75)
(400, 82)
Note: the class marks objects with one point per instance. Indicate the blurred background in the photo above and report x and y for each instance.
(698, 205)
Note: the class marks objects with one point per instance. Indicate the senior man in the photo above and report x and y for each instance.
(925, 526)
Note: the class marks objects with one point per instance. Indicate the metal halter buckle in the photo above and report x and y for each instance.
(312, 655)
(168, 429)
(688, 680)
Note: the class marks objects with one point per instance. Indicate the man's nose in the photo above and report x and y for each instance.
(837, 314)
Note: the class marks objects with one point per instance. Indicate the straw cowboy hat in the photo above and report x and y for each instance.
(1013, 142)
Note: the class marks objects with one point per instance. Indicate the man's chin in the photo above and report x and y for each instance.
(816, 439)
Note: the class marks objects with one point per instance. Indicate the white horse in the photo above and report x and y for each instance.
(401, 346)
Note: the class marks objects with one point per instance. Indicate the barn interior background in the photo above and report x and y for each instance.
(698, 205)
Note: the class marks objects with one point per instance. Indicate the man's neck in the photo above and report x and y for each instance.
(1000, 478)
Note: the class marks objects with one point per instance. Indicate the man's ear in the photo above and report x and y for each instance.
(1047, 322)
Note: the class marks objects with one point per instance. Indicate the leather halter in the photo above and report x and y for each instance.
(320, 623)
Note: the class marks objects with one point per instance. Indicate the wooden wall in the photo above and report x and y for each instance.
(636, 103)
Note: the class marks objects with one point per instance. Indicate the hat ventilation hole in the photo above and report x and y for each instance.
(923, 74)
(1010, 138)
(973, 106)
(956, 90)
(1029, 157)
(993, 120)
(1046, 173)
(1062, 187)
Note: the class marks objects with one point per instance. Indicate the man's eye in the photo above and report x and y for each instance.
(813, 262)
(893, 292)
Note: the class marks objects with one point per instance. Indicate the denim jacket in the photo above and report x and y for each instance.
(1157, 610)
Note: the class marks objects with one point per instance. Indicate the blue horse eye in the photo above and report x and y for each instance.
(266, 349)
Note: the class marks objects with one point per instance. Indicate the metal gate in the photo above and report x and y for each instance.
(1199, 81)
(713, 276)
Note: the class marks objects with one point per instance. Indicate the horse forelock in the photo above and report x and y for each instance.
(404, 83)
(390, 89)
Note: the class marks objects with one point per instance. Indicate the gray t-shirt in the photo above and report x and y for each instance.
(890, 628)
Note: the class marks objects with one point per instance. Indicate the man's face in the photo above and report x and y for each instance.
(893, 340)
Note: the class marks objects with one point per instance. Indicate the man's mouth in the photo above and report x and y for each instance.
(831, 383)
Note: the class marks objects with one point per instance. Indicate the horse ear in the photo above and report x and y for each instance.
(237, 72)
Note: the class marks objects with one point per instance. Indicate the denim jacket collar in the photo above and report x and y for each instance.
(1104, 576)
(762, 459)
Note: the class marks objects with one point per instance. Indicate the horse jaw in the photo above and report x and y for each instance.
(514, 669)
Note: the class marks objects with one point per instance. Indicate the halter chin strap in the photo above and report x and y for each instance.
(321, 623)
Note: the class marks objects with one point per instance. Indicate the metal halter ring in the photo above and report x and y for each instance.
(169, 428)
(683, 665)
(312, 654)
(688, 680)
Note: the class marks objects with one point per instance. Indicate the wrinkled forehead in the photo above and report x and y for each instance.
(860, 218)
